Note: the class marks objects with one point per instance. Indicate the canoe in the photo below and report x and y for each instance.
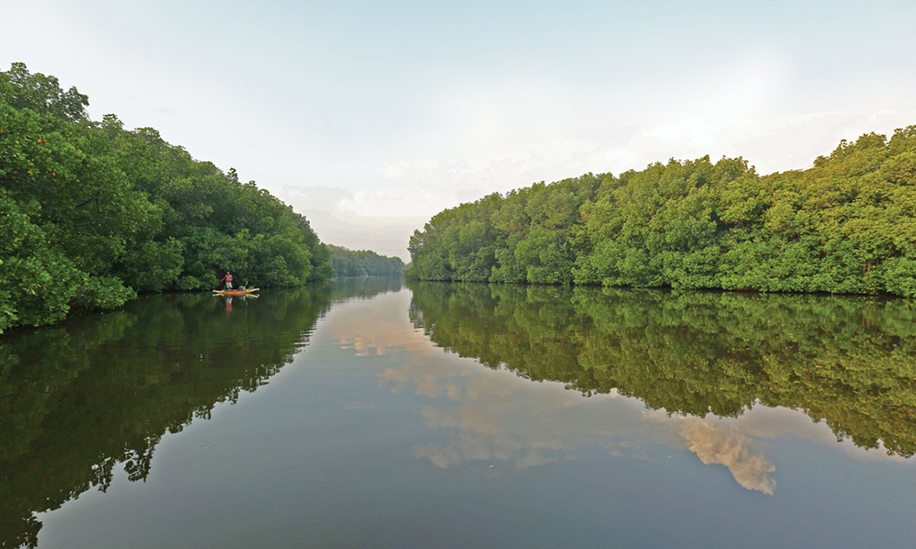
(246, 291)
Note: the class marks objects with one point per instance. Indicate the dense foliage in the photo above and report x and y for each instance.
(92, 213)
(363, 263)
(845, 360)
(845, 225)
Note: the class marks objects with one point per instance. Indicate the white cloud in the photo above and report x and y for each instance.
(353, 219)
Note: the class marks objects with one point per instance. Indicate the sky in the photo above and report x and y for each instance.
(370, 117)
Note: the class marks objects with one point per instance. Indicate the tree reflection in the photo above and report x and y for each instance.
(848, 361)
(366, 287)
(82, 397)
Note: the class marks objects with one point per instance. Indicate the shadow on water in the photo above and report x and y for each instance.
(80, 398)
(848, 361)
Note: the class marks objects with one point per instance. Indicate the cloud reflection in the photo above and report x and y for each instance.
(496, 416)
(724, 444)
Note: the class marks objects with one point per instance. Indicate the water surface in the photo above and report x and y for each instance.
(450, 414)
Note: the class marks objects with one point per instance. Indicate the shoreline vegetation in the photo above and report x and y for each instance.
(360, 263)
(844, 226)
(93, 214)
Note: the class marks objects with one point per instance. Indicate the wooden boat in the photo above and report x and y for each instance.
(246, 291)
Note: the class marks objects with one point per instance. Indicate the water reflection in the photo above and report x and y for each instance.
(584, 388)
(495, 417)
(846, 361)
(81, 398)
(365, 287)
(725, 444)
(714, 374)
(227, 301)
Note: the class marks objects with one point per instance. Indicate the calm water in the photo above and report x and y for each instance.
(367, 414)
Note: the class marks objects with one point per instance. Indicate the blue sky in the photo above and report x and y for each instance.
(369, 117)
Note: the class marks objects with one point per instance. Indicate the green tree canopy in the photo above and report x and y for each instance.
(96, 212)
(363, 263)
(845, 225)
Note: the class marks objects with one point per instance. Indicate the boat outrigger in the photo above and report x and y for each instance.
(237, 291)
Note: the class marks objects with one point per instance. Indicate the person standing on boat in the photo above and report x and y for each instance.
(227, 278)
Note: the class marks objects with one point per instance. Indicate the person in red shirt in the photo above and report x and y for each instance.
(227, 278)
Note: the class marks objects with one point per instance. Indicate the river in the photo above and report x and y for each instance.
(370, 413)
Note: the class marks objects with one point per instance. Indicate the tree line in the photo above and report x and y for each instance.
(845, 225)
(363, 263)
(92, 213)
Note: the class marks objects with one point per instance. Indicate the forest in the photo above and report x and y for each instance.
(93, 213)
(363, 263)
(844, 225)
